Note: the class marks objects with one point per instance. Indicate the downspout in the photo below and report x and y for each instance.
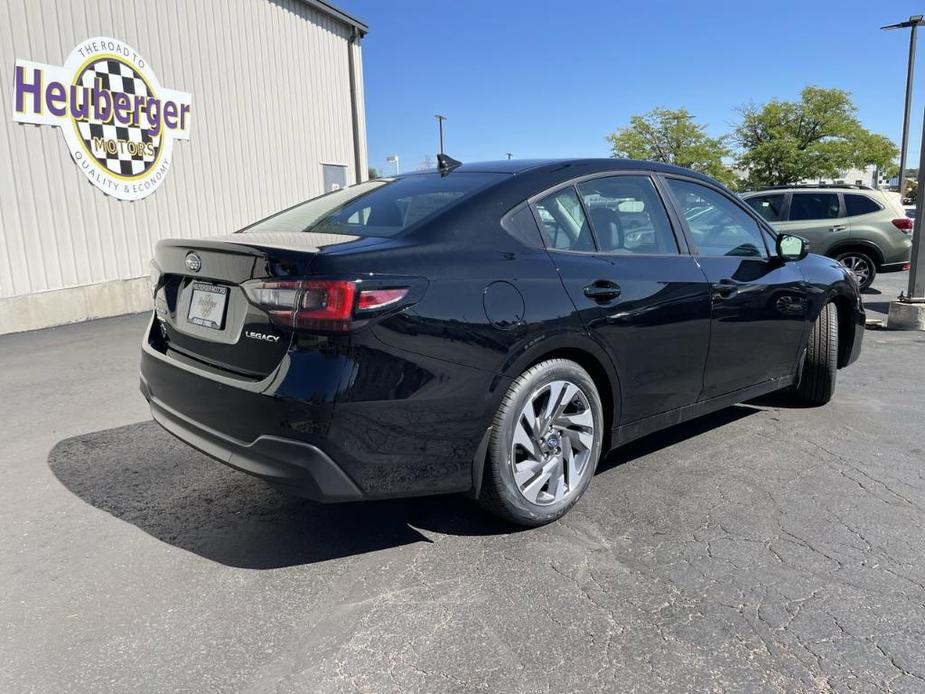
(355, 36)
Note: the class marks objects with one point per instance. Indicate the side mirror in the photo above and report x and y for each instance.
(791, 247)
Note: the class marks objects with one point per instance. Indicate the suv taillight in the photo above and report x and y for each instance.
(330, 305)
(904, 224)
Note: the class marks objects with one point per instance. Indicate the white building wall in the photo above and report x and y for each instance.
(868, 176)
(271, 100)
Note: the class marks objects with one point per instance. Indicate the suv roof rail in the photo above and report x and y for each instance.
(853, 186)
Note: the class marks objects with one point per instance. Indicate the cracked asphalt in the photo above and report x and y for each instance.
(762, 548)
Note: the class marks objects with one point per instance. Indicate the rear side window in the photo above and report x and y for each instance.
(382, 207)
(628, 215)
(563, 222)
(813, 206)
(718, 226)
(522, 226)
(859, 204)
(771, 207)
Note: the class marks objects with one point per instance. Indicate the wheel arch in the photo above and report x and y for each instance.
(846, 327)
(584, 351)
(857, 245)
(589, 355)
(598, 374)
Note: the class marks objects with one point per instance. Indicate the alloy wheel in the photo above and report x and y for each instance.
(859, 265)
(553, 439)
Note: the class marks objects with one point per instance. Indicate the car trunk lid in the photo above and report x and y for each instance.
(204, 313)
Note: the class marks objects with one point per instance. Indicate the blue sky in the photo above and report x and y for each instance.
(553, 78)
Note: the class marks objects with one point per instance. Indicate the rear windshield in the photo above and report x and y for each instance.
(381, 207)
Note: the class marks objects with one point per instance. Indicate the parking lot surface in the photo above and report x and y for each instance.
(763, 548)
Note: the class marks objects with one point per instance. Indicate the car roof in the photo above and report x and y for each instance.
(781, 190)
(583, 166)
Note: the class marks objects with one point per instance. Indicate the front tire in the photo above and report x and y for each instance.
(545, 444)
(861, 264)
(817, 381)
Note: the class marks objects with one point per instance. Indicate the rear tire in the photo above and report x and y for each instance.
(545, 444)
(861, 264)
(817, 382)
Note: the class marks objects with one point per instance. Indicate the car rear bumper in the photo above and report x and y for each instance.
(895, 267)
(295, 466)
(361, 422)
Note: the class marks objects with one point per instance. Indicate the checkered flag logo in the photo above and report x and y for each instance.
(115, 76)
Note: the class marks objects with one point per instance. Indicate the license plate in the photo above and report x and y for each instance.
(207, 305)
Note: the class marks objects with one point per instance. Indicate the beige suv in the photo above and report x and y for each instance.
(866, 229)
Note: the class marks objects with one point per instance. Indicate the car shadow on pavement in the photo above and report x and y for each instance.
(140, 474)
(676, 434)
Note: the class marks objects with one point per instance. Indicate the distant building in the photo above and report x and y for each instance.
(132, 121)
(868, 176)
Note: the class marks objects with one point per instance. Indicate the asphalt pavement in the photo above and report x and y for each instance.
(762, 548)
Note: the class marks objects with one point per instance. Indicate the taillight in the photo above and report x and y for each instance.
(380, 298)
(904, 224)
(318, 304)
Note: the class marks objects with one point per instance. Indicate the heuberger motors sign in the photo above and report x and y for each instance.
(119, 123)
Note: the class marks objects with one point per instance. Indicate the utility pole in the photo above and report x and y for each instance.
(440, 120)
(912, 23)
(908, 312)
(916, 293)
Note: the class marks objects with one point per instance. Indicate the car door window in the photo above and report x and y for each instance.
(718, 226)
(805, 206)
(628, 215)
(563, 222)
(859, 204)
(771, 207)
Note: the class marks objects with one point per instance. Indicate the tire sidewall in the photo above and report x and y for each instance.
(502, 439)
(820, 366)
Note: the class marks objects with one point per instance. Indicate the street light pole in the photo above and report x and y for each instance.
(916, 293)
(912, 23)
(440, 120)
(509, 155)
(908, 313)
(910, 69)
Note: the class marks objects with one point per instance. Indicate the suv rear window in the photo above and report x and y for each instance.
(771, 207)
(814, 206)
(381, 207)
(859, 204)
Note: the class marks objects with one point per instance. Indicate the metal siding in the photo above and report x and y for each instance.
(270, 92)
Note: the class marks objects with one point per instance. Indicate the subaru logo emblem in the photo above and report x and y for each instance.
(193, 262)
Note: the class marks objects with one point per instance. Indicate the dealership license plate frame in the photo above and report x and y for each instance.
(204, 319)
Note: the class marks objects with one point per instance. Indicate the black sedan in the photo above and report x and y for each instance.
(485, 328)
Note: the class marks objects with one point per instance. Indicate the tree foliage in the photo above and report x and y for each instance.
(673, 137)
(818, 136)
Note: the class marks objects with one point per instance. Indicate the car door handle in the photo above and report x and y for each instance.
(838, 227)
(725, 289)
(602, 291)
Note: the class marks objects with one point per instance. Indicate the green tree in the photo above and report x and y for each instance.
(818, 136)
(672, 136)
